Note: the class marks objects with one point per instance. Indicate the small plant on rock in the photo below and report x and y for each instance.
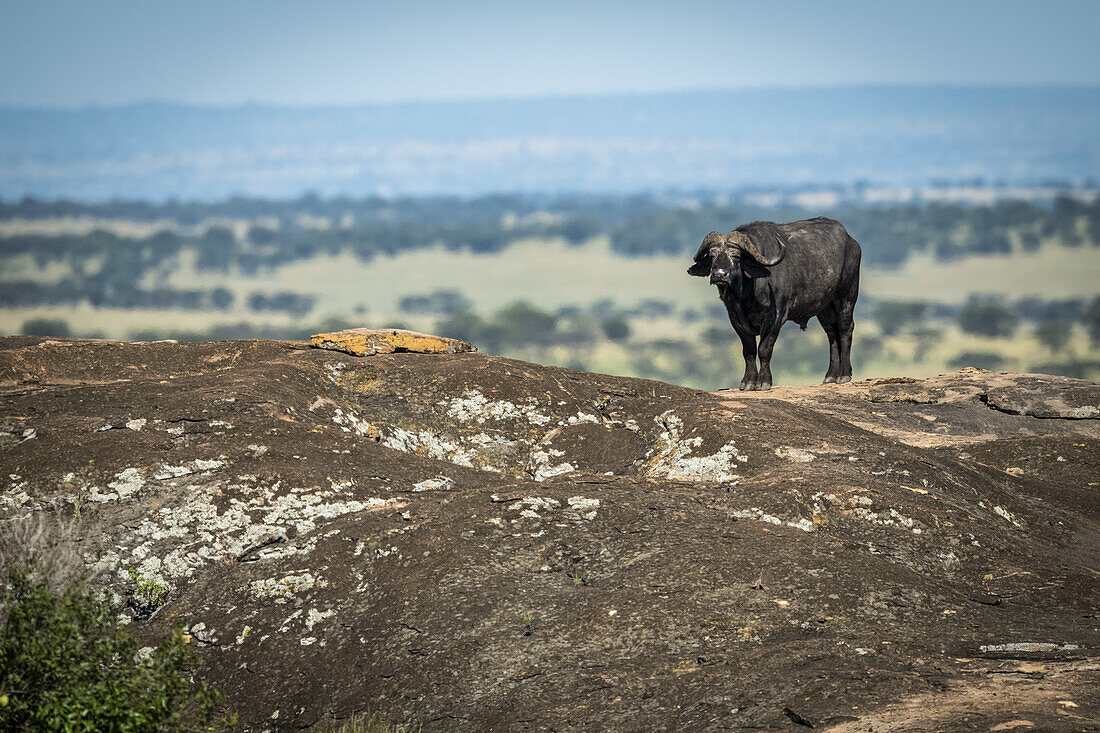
(148, 595)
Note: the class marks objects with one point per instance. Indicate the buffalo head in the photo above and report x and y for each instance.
(725, 256)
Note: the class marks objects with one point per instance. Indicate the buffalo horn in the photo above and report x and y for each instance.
(746, 245)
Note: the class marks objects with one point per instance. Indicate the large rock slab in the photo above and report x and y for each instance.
(371, 341)
(968, 406)
(465, 541)
(1044, 398)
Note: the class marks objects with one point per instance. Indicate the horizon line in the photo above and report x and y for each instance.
(562, 96)
(740, 193)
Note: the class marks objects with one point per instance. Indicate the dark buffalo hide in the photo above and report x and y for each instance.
(768, 274)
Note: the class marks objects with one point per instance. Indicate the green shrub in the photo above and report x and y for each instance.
(1054, 335)
(67, 665)
(1091, 318)
(987, 318)
(438, 302)
(524, 323)
(616, 328)
(893, 315)
(927, 338)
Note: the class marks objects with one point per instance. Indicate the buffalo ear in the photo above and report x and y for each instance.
(751, 269)
(703, 260)
(701, 268)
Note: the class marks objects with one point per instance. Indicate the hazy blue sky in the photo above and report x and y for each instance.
(76, 52)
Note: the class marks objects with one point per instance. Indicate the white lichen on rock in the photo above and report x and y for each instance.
(583, 507)
(280, 589)
(578, 508)
(889, 518)
(806, 525)
(199, 465)
(439, 483)
(581, 417)
(673, 459)
(528, 505)
(349, 422)
(335, 371)
(15, 497)
(473, 406)
(797, 455)
(314, 617)
(127, 483)
(173, 541)
(431, 445)
(862, 508)
(1029, 647)
(542, 466)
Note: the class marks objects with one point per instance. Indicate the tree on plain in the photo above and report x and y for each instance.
(51, 327)
(987, 318)
(1054, 335)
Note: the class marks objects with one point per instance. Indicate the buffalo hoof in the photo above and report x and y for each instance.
(745, 386)
(828, 380)
(764, 386)
(843, 380)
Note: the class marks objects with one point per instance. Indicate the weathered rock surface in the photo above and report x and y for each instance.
(462, 541)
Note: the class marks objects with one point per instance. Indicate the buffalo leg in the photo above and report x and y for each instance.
(828, 320)
(845, 311)
(767, 343)
(748, 349)
(845, 327)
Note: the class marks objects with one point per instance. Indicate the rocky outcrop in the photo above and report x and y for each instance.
(464, 541)
(371, 341)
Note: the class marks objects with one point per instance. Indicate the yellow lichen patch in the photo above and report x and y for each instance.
(686, 665)
(749, 631)
(371, 341)
(357, 382)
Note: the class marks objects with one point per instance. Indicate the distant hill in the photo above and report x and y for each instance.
(724, 140)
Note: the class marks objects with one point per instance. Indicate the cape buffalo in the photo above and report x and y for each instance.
(768, 274)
